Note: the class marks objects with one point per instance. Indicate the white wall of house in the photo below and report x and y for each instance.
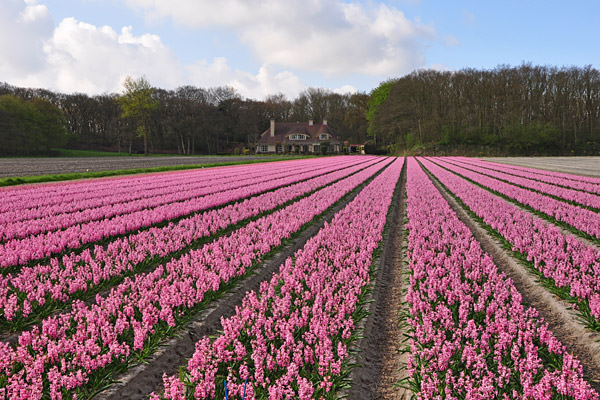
(263, 148)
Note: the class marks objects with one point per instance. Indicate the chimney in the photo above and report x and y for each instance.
(310, 122)
(324, 122)
(272, 127)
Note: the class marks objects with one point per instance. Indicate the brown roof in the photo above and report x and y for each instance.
(283, 129)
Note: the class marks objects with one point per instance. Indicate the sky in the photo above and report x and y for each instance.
(267, 47)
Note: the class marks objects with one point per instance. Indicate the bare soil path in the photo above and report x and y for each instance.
(61, 165)
(562, 320)
(380, 363)
(589, 166)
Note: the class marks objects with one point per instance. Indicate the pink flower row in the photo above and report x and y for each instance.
(567, 261)
(560, 179)
(61, 355)
(577, 196)
(103, 196)
(571, 177)
(580, 218)
(290, 339)
(34, 196)
(20, 251)
(181, 191)
(22, 293)
(471, 336)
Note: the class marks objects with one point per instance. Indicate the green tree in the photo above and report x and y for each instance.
(30, 126)
(376, 97)
(138, 104)
(51, 123)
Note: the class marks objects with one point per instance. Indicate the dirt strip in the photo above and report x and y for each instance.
(557, 313)
(140, 381)
(380, 363)
(24, 166)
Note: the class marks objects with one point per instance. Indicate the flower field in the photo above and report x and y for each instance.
(99, 277)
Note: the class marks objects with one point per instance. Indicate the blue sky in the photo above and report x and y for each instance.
(263, 47)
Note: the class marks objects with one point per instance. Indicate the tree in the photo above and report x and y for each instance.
(29, 127)
(377, 96)
(138, 104)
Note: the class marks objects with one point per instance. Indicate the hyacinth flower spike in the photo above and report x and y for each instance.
(243, 397)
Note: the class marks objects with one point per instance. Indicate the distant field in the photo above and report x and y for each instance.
(94, 153)
(13, 167)
(574, 165)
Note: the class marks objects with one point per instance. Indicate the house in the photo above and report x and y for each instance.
(299, 138)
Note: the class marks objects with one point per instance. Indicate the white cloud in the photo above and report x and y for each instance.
(266, 82)
(327, 36)
(440, 67)
(79, 57)
(75, 56)
(346, 89)
(86, 58)
(23, 28)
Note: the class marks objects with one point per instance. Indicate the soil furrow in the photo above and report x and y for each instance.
(138, 382)
(557, 313)
(380, 363)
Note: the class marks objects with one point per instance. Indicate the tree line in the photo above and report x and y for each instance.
(187, 120)
(524, 110)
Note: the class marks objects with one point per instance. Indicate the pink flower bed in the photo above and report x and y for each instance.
(290, 340)
(20, 251)
(564, 175)
(580, 218)
(32, 218)
(41, 195)
(471, 336)
(555, 178)
(576, 196)
(59, 356)
(22, 293)
(568, 262)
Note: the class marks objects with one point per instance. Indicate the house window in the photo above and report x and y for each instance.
(323, 136)
(264, 148)
(297, 137)
(279, 148)
(316, 148)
